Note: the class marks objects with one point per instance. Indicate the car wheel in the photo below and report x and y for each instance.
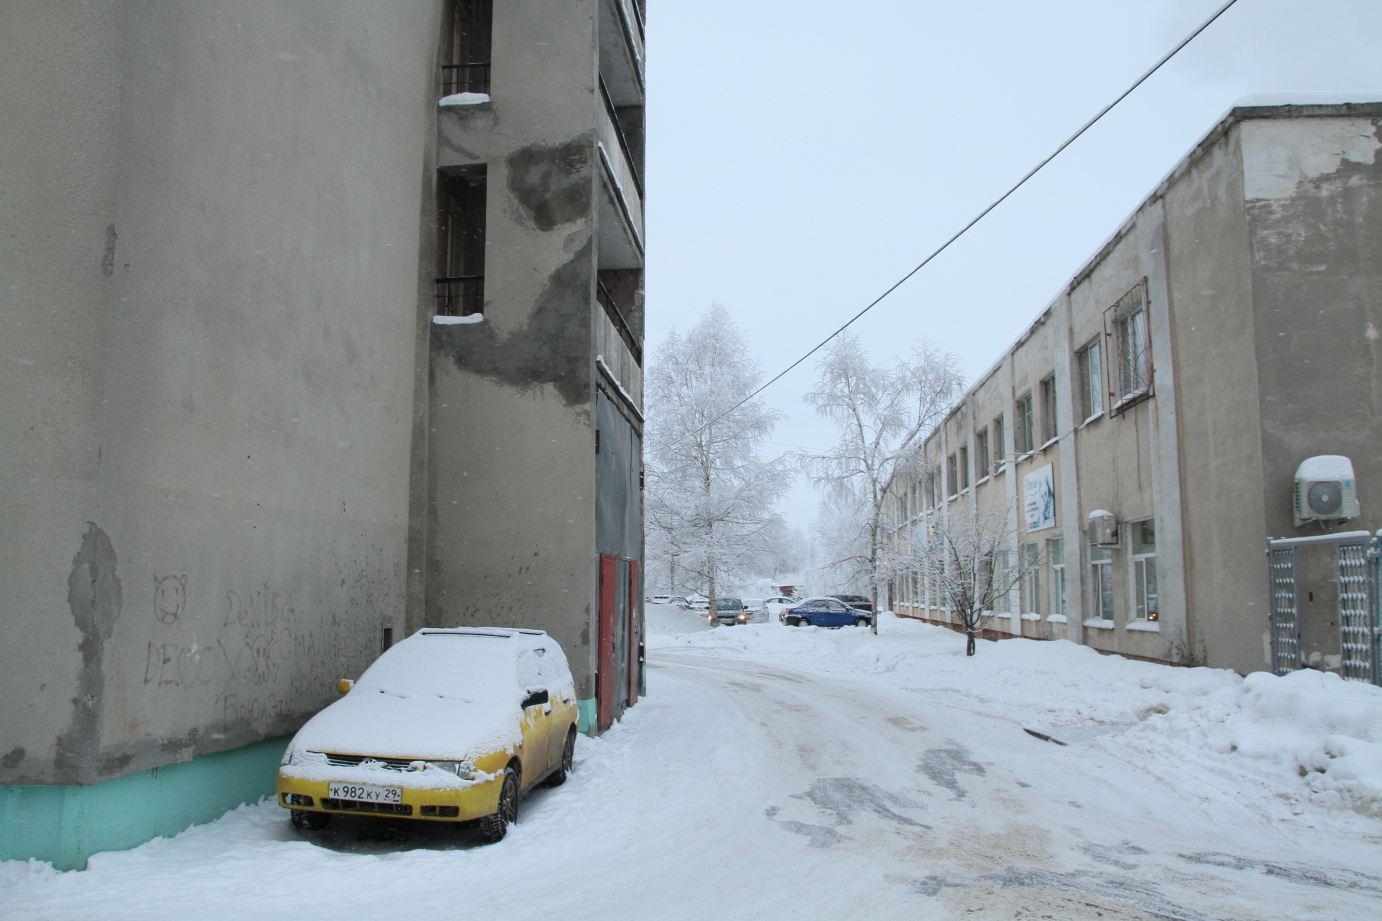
(803, 622)
(861, 621)
(311, 821)
(568, 754)
(494, 827)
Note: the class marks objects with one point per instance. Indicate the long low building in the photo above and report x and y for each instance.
(1133, 452)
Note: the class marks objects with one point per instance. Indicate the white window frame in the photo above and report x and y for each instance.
(1146, 606)
(1055, 552)
(1090, 362)
(1101, 588)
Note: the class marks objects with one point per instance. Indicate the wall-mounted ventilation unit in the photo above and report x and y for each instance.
(1325, 489)
(1103, 528)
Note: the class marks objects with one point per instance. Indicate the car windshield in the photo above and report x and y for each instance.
(459, 666)
(728, 604)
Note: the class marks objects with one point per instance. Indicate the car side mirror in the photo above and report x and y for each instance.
(344, 685)
(536, 697)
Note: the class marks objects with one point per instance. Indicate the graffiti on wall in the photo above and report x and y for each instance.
(262, 658)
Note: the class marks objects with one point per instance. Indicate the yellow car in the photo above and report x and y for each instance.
(448, 726)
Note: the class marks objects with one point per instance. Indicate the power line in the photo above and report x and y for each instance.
(963, 230)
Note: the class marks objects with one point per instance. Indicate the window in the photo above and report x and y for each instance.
(1132, 358)
(460, 284)
(1144, 570)
(1023, 434)
(930, 486)
(1002, 565)
(1055, 552)
(1031, 579)
(1048, 409)
(1000, 448)
(981, 453)
(964, 467)
(1101, 583)
(952, 477)
(1089, 366)
(465, 46)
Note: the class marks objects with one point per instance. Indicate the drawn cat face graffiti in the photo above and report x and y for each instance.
(170, 597)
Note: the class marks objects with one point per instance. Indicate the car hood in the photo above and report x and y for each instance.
(390, 726)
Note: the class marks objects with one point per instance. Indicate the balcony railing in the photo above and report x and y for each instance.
(460, 296)
(617, 318)
(465, 78)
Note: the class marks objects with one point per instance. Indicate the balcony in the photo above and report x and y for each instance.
(621, 200)
(621, 325)
(460, 296)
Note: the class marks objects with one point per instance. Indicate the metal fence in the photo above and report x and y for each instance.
(1358, 558)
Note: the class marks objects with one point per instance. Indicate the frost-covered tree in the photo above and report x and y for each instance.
(711, 499)
(969, 557)
(882, 413)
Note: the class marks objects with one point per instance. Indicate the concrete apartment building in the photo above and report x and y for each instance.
(1139, 442)
(297, 360)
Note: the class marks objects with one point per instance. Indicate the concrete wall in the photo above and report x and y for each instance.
(210, 328)
(1313, 190)
(510, 465)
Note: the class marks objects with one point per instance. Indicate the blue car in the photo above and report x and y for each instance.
(824, 612)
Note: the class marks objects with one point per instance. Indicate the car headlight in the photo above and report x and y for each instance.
(462, 769)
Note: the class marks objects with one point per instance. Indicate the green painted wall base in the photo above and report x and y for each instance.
(66, 825)
(586, 710)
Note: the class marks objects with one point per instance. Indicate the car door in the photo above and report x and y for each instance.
(537, 717)
(839, 614)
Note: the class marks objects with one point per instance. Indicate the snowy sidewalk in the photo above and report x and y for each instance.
(781, 773)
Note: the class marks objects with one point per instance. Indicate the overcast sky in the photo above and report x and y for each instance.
(804, 155)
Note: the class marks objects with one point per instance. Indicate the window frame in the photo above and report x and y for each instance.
(1091, 375)
(1029, 596)
(964, 467)
(1146, 606)
(1101, 587)
(951, 476)
(1055, 554)
(1050, 422)
(1000, 457)
(1024, 442)
(982, 464)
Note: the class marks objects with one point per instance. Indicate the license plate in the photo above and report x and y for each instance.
(365, 793)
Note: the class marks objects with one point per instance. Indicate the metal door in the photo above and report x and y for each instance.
(1358, 556)
(604, 676)
(635, 638)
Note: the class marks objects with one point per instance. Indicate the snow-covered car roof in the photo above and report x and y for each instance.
(442, 693)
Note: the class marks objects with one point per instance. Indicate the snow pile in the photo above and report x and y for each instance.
(464, 99)
(1327, 729)
(1318, 737)
(469, 318)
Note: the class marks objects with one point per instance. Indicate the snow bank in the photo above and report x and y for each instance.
(1319, 736)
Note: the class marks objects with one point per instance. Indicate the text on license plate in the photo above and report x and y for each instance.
(365, 793)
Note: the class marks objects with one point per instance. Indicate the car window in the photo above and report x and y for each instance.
(837, 607)
(473, 667)
(543, 668)
(820, 606)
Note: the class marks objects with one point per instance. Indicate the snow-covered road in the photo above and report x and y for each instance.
(777, 773)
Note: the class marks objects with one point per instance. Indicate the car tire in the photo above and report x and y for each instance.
(568, 754)
(861, 621)
(803, 622)
(494, 827)
(309, 821)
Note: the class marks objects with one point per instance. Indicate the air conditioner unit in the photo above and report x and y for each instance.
(1325, 489)
(1103, 528)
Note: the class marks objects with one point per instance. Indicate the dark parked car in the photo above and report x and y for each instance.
(861, 602)
(824, 612)
(728, 610)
